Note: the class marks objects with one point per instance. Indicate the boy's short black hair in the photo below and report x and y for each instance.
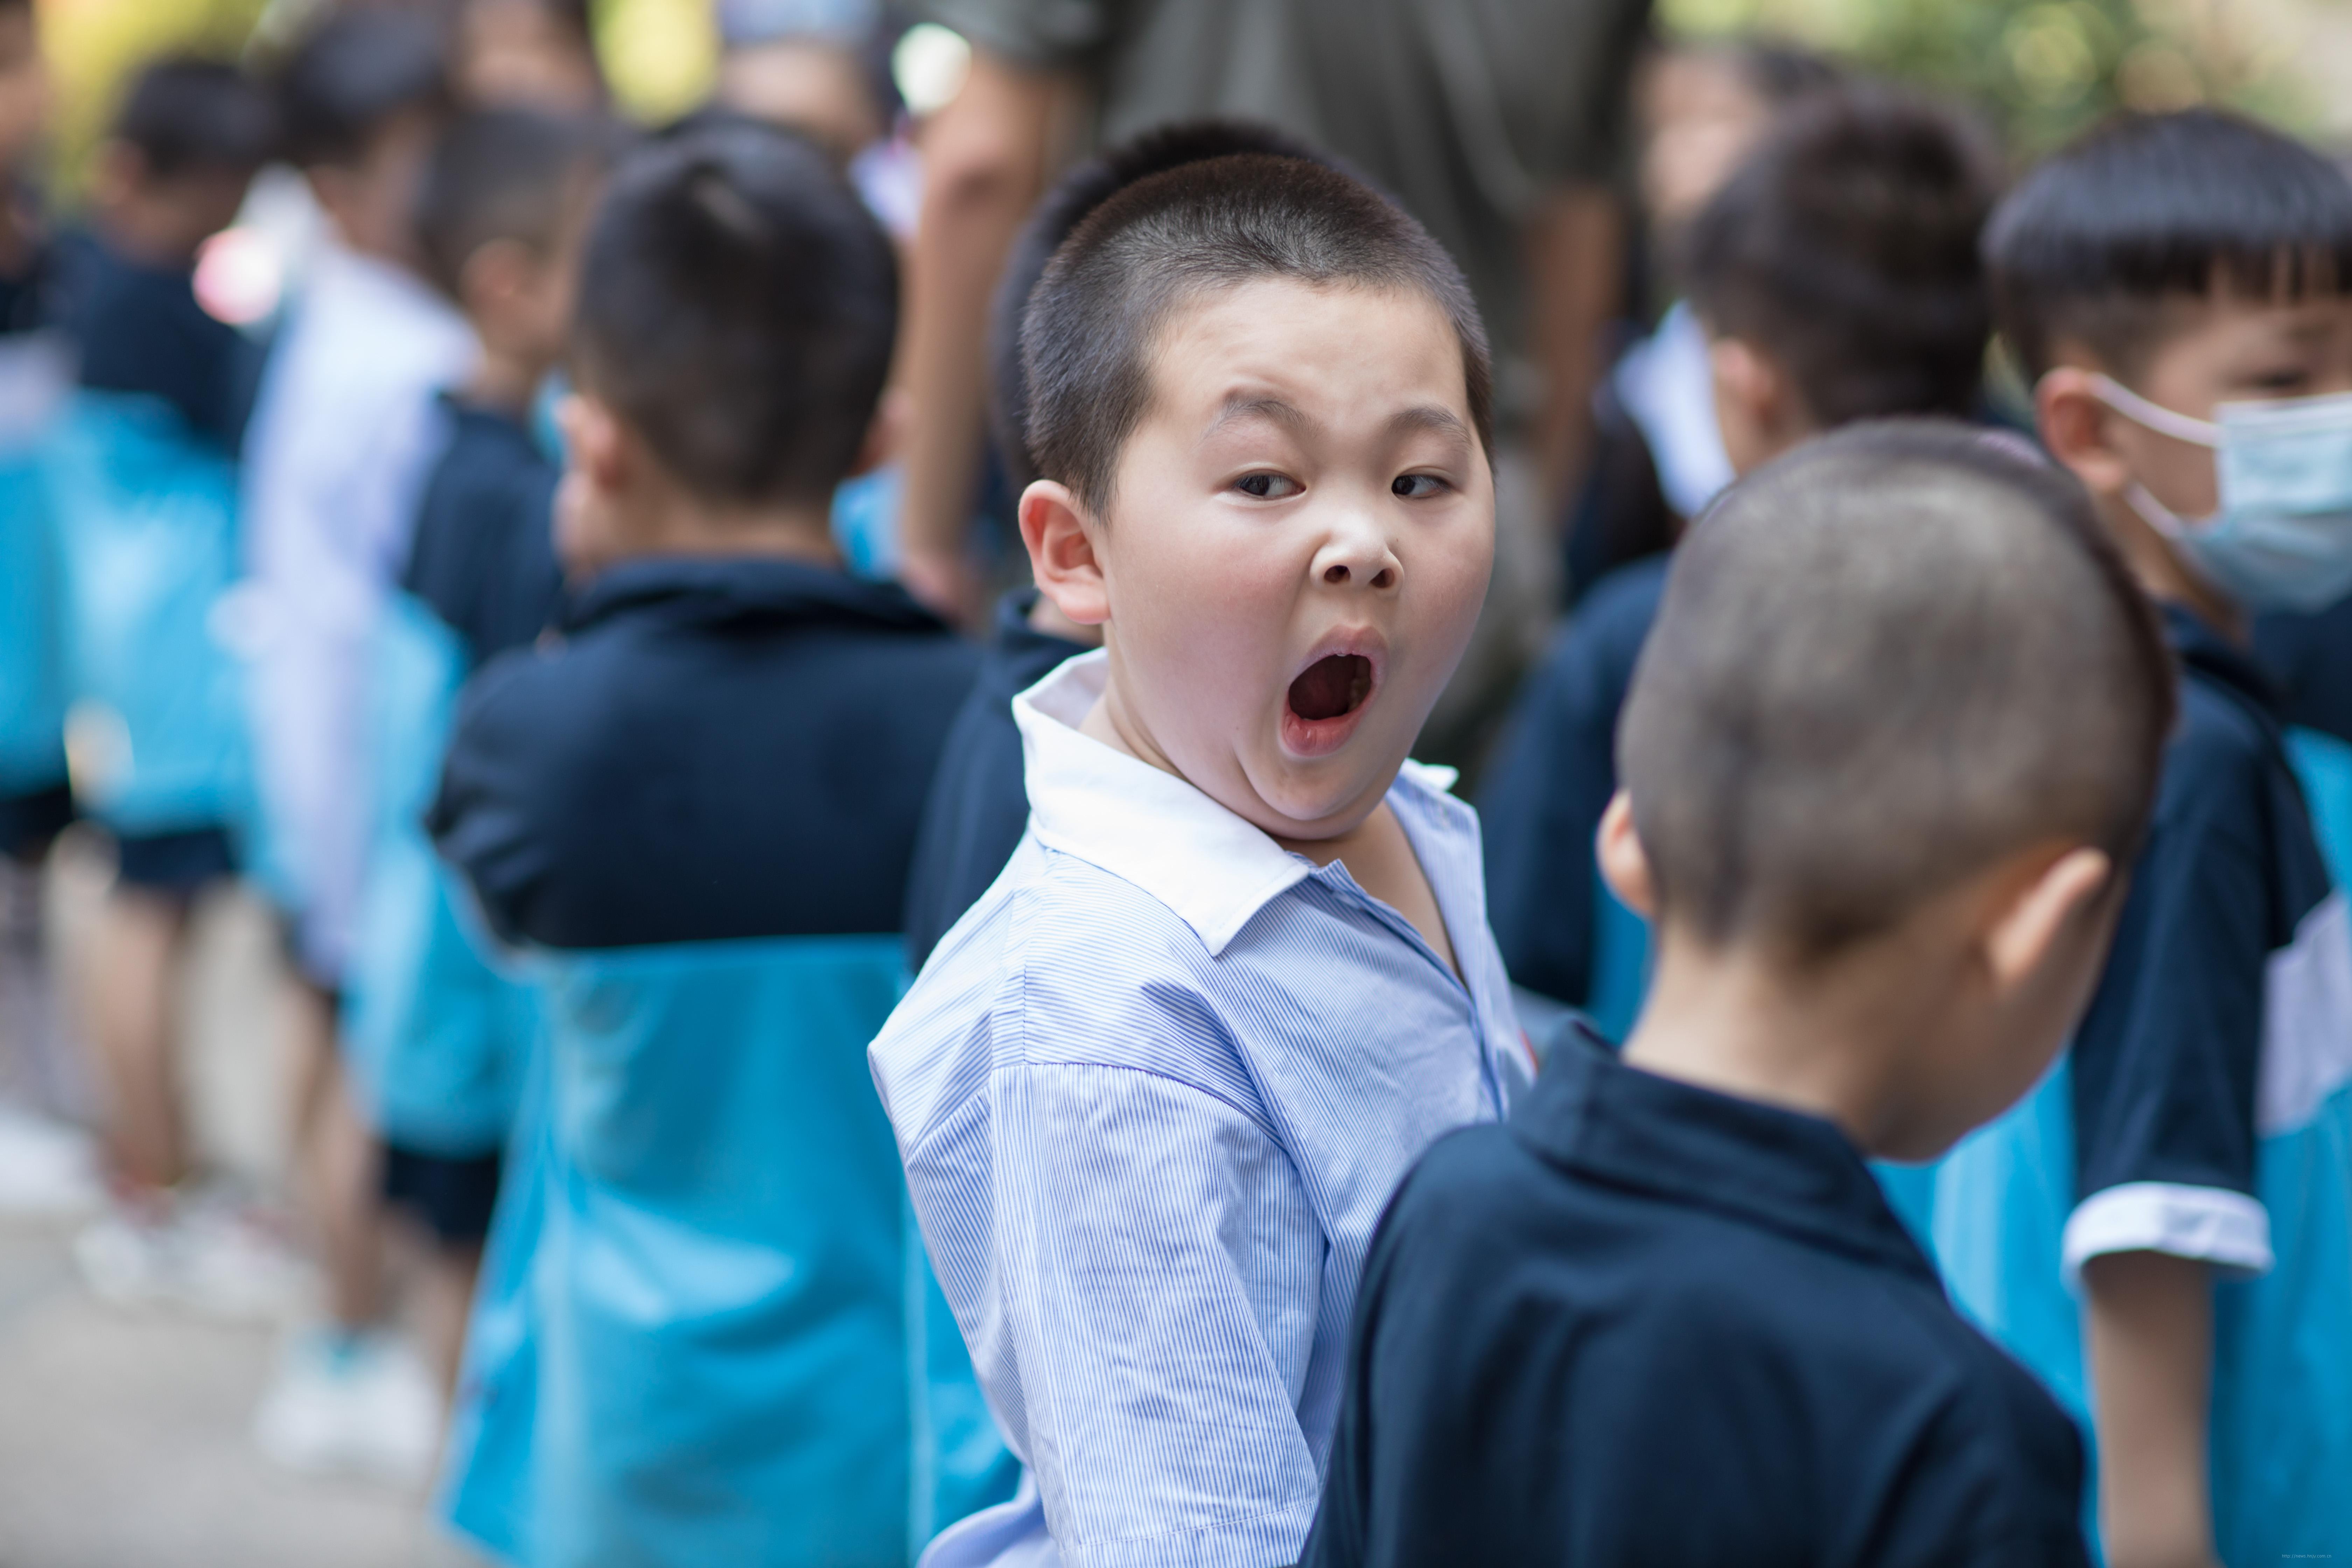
(186, 115)
(1883, 662)
(738, 306)
(1087, 336)
(352, 75)
(1077, 193)
(501, 173)
(1846, 249)
(2151, 209)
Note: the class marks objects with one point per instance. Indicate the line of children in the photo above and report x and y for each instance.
(692, 812)
(1153, 1092)
(1837, 279)
(1667, 1316)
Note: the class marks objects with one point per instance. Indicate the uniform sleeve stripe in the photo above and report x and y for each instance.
(2225, 1228)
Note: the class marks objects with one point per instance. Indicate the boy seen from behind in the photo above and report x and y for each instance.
(1154, 1090)
(1665, 1316)
(692, 811)
(1836, 276)
(2180, 290)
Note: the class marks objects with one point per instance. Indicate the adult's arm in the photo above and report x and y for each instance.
(1575, 245)
(986, 158)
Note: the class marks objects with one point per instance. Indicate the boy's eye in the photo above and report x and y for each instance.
(1416, 487)
(1267, 486)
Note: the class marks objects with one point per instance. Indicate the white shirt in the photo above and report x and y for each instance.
(1153, 1093)
(335, 460)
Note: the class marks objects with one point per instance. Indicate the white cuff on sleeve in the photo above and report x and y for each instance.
(2225, 1228)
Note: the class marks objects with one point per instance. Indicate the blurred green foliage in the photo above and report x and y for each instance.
(2045, 68)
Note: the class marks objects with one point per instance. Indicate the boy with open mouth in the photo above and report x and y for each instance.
(1155, 1088)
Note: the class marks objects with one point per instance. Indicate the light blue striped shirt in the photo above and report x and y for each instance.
(1153, 1093)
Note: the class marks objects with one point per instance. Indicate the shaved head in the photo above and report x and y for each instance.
(1884, 663)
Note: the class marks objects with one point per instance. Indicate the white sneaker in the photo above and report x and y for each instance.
(351, 1405)
(205, 1250)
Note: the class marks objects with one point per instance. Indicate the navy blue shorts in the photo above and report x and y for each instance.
(452, 1194)
(29, 822)
(178, 864)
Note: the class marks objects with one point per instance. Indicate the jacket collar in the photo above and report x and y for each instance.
(1781, 1169)
(714, 591)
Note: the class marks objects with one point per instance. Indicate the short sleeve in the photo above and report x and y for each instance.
(1044, 35)
(480, 819)
(2164, 1063)
(1165, 1268)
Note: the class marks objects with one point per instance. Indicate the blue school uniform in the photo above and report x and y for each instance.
(1646, 1323)
(979, 806)
(438, 1037)
(719, 1341)
(142, 480)
(1153, 1094)
(2202, 1111)
(35, 371)
(1560, 931)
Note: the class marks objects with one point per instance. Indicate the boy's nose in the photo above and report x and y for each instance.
(1359, 553)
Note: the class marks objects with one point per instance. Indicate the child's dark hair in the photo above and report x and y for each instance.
(1077, 193)
(501, 173)
(2149, 210)
(186, 116)
(1846, 249)
(1086, 339)
(354, 73)
(1884, 662)
(738, 306)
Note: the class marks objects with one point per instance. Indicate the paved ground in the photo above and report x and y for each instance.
(122, 1435)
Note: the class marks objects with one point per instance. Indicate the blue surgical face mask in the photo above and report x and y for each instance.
(2283, 537)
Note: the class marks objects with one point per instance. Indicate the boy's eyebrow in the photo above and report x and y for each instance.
(1429, 416)
(1241, 405)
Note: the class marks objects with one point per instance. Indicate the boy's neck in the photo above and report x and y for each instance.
(701, 528)
(503, 383)
(1731, 1021)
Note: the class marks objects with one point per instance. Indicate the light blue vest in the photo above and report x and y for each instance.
(146, 524)
(437, 1036)
(32, 688)
(708, 1331)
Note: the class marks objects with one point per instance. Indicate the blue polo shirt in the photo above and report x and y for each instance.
(1646, 1323)
(2310, 657)
(483, 554)
(140, 330)
(1542, 801)
(714, 749)
(979, 805)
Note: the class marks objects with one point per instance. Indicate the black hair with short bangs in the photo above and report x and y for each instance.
(738, 304)
(501, 174)
(1079, 193)
(1845, 249)
(2149, 210)
(1086, 339)
(1885, 662)
(186, 115)
(355, 74)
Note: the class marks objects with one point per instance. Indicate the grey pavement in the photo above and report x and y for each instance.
(123, 1435)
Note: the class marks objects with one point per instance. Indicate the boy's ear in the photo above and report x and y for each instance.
(2074, 423)
(1062, 553)
(2035, 918)
(1755, 406)
(1624, 864)
(115, 172)
(494, 275)
(597, 445)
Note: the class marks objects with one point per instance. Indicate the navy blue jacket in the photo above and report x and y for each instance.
(979, 802)
(139, 329)
(1646, 1323)
(483, 555)
(1542, 800)
(714, 749)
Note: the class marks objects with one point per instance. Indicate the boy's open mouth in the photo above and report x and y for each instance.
(1331, 687)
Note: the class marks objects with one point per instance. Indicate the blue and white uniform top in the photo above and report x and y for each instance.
(1153, 1093)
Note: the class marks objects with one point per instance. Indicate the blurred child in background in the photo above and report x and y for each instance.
(1836, 276)
(1657, 454)
(527, 54)
(694, 811)
(440, 1042)
(805, 64)
(2160, 1231)
(336, 459)
(144, 491)
(979, 806)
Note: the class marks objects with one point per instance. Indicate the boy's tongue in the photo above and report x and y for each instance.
(1332, 686)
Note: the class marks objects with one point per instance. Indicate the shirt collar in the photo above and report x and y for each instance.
(1213, 868)
(2202, 648)
(1782, 1169)
(719, 590)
